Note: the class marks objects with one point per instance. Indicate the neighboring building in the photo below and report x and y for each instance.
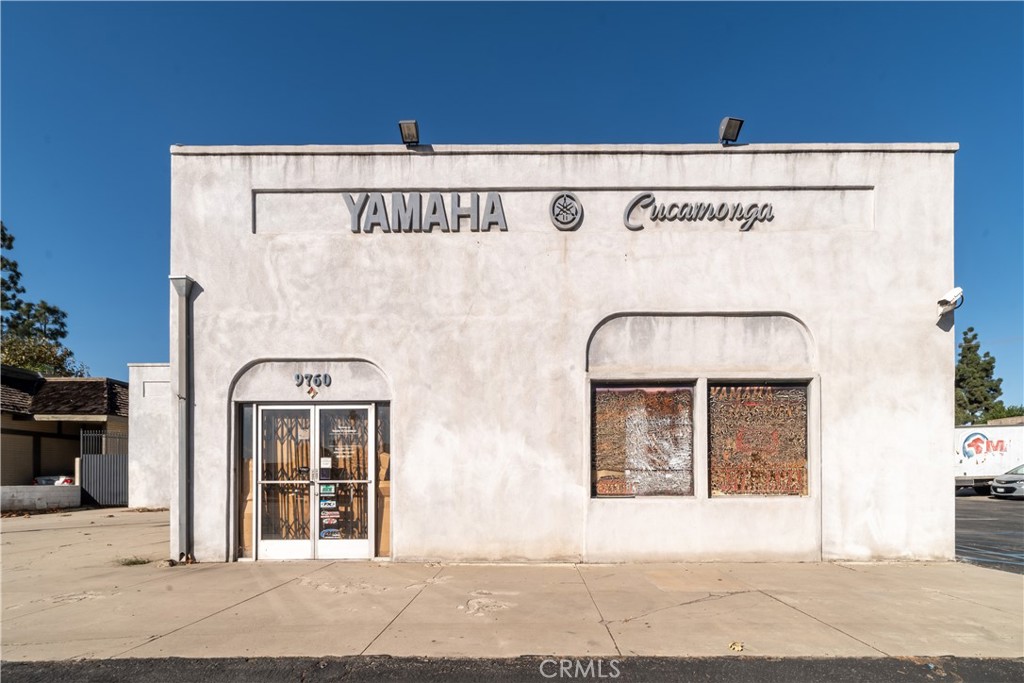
(1015, 420)
(582, 353)
(149, 440)
(43, 418)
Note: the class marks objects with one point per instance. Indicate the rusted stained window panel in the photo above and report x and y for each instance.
(643, 441)
(757, 439)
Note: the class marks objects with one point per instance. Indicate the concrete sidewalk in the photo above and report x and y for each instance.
(67, 596)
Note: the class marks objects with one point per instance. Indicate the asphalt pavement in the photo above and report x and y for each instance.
(521, 669)
(990, 532)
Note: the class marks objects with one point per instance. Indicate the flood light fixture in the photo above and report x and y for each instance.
(410, 131)
(729, 130)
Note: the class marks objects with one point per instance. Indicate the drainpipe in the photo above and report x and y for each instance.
(183, 287)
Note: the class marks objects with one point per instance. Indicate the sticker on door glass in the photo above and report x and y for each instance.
(326, 488)
(325, 463)
(328, 504)
(330, 519)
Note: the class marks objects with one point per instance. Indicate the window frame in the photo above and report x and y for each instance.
(700, 385)
(789, 383)
(642, 383)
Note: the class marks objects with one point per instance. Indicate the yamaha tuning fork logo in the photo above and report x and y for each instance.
(566, 211)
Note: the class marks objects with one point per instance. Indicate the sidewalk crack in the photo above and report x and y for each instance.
(706, 598)
(971, 602)
(603, 622)
(426, 583)
(213, 614)
(824, 623)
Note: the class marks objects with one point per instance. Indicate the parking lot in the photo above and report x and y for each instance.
(990, 532)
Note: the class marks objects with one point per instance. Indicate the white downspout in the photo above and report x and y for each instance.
(183, 287)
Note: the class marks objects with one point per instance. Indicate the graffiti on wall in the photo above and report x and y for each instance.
(757, 439)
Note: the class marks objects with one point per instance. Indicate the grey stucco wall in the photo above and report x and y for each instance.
(696, 347)
(483, 337)
(39, 497)
(150, 449)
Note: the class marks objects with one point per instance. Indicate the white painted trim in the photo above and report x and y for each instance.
(435, 150)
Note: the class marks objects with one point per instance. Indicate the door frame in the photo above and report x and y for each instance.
(310, 548)
(348, 549)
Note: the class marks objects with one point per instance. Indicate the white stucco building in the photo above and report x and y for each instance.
(584, 353)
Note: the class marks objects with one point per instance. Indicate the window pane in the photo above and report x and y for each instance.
(757, 439)
(343, 444)
(643, 441)
(245, 501)
(285, 445)
(343, 511)
(383, 503)
(285, 512)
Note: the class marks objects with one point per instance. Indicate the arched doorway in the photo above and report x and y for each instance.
(313, 461)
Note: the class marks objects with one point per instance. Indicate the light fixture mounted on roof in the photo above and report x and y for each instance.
(410, 132)
(729, 130)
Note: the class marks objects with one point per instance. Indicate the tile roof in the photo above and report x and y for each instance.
(31, 394)
(117, 398)
(16, 390)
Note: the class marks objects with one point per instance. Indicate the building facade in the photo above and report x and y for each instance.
(44, 419)
(582, 353)
(71, 431)
(149, 441)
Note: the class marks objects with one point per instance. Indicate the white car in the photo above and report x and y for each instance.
(1009, 485)
(62, 480)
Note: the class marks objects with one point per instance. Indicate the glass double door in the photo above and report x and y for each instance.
(315, 476)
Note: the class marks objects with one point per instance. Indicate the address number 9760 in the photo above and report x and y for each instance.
(316, 380)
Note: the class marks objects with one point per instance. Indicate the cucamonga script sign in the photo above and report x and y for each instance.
(693, 211)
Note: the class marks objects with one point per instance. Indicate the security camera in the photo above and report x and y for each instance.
(951, 296)
(951, 300)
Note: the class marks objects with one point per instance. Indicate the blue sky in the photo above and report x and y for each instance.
(93, 94)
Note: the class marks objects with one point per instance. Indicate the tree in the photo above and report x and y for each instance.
(1004, 411)
(12, 288)
(38, 320)
(41, 355)
(33, 333)
(977, 388)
